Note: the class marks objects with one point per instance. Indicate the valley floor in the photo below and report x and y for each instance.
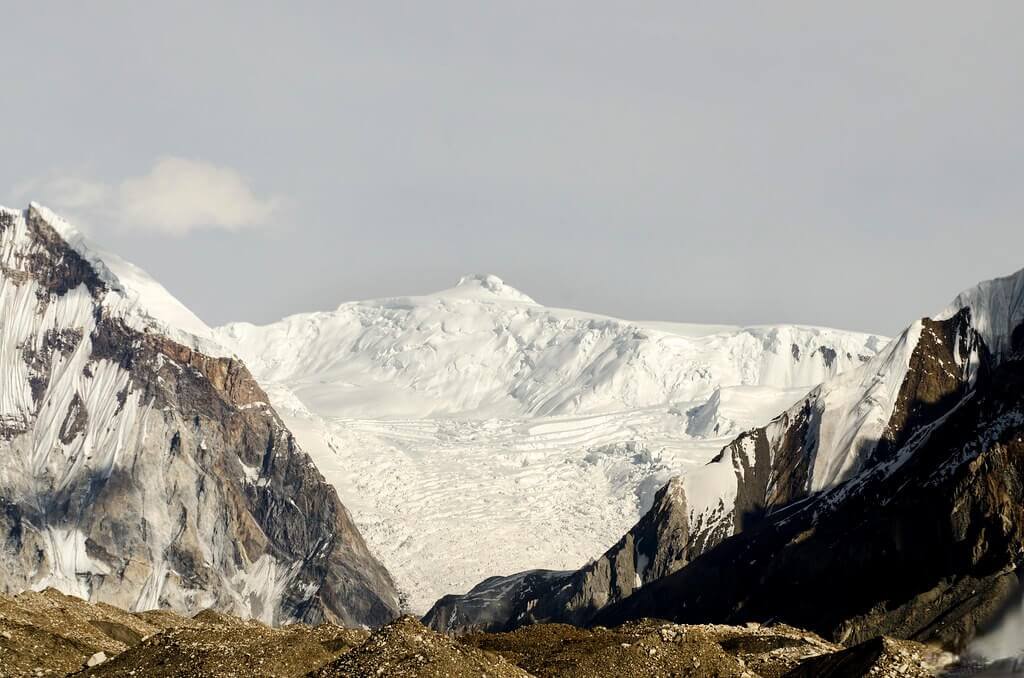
(50, 634)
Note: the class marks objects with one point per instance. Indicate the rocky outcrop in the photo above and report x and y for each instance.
(876, 657)
(51, 634)
(927, 543)
(144, 472)
(787, 460)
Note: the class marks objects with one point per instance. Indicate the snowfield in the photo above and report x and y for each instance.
(474, 432)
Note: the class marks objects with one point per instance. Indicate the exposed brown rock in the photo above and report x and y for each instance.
(54, 633)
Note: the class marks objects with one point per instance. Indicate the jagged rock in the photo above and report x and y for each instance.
(141, 467)
(96, 659)
(924, 541)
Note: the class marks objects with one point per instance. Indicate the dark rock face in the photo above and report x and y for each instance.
(141, 472)
(828, 355)
(947, 356)
(927, 544)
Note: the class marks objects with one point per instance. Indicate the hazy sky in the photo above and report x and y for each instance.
(846, 164)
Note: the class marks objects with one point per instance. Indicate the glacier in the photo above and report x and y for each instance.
(475, 431)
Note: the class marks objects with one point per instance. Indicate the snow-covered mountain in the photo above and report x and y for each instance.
(484, 349)
(474, 431)
(888, 500)
(141, 464)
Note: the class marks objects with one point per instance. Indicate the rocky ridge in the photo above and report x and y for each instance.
(923, 529)
(141, 466)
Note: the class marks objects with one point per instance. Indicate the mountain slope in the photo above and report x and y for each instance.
(140, 466)
(833, 448)
(920, 534)
(475, 431)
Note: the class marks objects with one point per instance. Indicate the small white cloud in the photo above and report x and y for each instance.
(180, 195)
(176, 197)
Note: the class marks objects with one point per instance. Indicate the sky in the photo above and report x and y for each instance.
(843, 164)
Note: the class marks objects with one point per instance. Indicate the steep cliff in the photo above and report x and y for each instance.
(142, 466)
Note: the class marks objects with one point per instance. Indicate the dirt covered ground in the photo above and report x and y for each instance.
(53, 635)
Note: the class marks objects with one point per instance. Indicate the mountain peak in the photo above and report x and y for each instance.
(486, 286)
(133, 294)
(997, 311)
(487, 280)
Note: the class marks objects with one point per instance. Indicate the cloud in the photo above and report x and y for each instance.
(177, 196)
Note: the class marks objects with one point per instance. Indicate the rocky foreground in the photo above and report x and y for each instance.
(51, 634)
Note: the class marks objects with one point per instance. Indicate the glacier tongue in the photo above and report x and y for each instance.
(474, 432)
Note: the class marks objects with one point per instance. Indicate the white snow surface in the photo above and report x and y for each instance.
(473, 352)
(474, 432)
(1006, 639)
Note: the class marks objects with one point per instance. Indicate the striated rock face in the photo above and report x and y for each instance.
(140, 468)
